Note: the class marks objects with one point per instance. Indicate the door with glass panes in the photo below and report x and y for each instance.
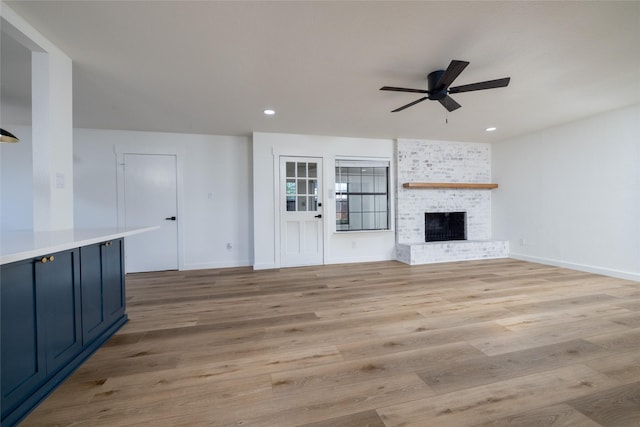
(301, 222)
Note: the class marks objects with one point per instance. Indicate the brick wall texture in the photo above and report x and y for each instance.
(438, 161)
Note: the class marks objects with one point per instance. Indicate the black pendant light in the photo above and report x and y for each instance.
(6, 136)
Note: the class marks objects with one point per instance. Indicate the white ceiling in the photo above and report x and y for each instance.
(213, 67)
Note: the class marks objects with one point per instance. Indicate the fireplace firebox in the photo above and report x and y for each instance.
(443, 226)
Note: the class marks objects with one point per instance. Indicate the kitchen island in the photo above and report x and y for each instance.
(62, 296)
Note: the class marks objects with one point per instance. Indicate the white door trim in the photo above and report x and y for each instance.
(120, 151)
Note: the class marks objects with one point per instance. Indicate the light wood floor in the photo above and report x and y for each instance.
(487, 343)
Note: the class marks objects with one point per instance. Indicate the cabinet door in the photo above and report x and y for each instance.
(102, 282)
(113, 279)
(93, 313)
(23, 355)
(58, 287)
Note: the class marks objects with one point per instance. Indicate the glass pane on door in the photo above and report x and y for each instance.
(302, 169)
(302, 186)
(291, 203)
(302, 203)
(291, 186)
(313, 170)
(313, 187)
(291, 169)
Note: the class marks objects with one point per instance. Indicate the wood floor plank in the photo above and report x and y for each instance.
(462, 314)
(624, 367)
(562, 303)
(504, 398)
(488, 369)
(557, 416)
(349, 372)
(103, 368)
(418, 338)
(536, 337)
(624, 340)
(490, 342)
(361, 419)
(321, 327)
(619, 406)
(273, 362)
(317, 404)
(547, 318)
(160, 406)
(631, 320)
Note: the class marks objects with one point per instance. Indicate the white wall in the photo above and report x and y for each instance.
(16, 181)
(570, 195)
(214, 189)
(51, 130)
(339, 247)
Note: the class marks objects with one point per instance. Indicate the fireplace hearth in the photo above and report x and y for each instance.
(445, 226)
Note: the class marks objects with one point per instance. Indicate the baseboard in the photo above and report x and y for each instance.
(209, 265)
(264, 266)
(330, 261)
(355, 260)
(580, 267)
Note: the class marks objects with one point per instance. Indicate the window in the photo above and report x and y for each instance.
(362, 195)
(302, 186)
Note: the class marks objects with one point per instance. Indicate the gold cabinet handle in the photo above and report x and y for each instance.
(47, 259)
(107, 243)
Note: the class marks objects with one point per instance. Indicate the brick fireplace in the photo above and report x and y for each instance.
(420, 161)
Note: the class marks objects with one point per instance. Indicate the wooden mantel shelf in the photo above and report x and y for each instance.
(468, 185)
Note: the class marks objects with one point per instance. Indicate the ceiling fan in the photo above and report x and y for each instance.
(438, 83)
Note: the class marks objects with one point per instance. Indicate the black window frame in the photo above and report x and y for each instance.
(350, 195)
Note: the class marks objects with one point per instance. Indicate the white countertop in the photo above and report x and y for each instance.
(20, 245)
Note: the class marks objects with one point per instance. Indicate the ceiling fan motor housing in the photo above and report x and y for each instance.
(432, 80)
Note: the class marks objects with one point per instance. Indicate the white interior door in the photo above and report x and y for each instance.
(150, 199)
(301, 222)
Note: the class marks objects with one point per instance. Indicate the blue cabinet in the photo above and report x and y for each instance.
(58, 286)
(56, 311)
(23, 356)
(103, 297)
(40, 322)
(113, 279)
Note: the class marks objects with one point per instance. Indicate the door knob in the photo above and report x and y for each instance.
(318, 216)
(171, 218)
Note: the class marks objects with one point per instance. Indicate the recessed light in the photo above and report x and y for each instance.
(269, 112)
(491, 129)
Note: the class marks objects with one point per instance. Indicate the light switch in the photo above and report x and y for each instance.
(59, 180)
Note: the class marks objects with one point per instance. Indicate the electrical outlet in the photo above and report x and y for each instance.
(229, 246)
(523, 241)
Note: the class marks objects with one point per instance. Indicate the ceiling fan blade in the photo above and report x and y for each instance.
(489, 84)
(409, 104)
(453, 70)
(403, 89)
(449, 103)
